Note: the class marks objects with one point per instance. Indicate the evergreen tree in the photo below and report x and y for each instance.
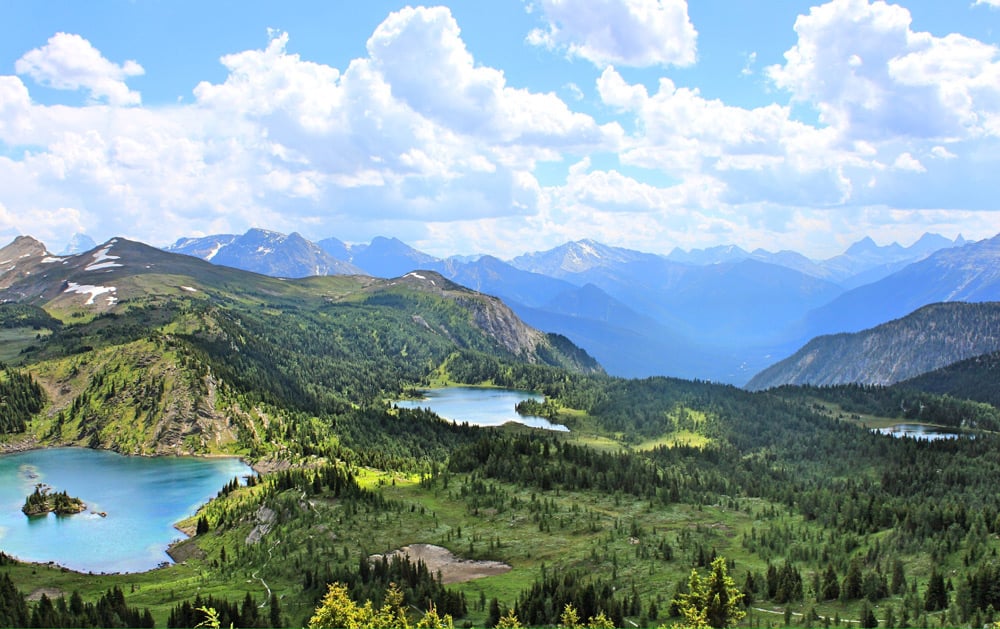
(274, 613)
(714, 601)
(494, 615)
(868, 619)
(851, 588)
(936, 596)
(830, 588)
(898, 585)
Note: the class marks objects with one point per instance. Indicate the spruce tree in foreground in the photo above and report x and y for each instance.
(713, 601)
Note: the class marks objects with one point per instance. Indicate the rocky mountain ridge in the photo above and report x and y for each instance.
(930, 338)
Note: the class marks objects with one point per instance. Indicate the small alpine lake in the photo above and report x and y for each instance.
(132, 505)
(480, 406)
(924, 432)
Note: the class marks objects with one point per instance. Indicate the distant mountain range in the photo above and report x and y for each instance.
(968, 273)
(719, 314)
(862, 263)
(930, 338)
(267, 253)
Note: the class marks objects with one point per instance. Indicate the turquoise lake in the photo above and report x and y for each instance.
(480, 406)
(143, 497)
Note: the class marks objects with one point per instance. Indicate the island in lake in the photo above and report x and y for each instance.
(43, 500)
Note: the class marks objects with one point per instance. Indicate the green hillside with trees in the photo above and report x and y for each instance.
(976, 378)
(667, 502)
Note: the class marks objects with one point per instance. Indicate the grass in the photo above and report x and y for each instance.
(679, 438)
(14, 340)
(865, 420)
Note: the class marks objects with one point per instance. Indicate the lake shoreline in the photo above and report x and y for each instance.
(29, 444)
(25, 444)
(486, 406)
(175, 549)
(27, 554)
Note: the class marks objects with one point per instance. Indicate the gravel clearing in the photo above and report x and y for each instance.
(453, 569)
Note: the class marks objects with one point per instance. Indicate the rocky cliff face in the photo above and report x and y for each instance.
(20, 259)
(930, 338)
(499, 324)
(497, 321)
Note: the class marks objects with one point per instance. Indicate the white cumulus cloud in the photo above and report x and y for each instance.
(760, 153)
(421, 56)
(413, 133)
(638, 33)
(416, 138)
(905, 161)
(70, 62)
(873, 78)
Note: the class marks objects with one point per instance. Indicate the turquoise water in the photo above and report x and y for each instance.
(480, 406)
(143, 498)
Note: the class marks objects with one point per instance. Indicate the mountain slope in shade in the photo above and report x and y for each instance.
(336, 248)
(495, 277)
(968, 273)
(624, 342)
(266, 252)
(729, 305)
(930, 338)
(976, 378)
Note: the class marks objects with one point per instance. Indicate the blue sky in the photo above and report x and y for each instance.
(503, 127)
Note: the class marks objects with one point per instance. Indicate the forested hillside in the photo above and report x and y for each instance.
(188, 357)
(818, 519)
(976, 378)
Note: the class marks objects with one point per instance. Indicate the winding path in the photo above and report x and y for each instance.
(267, 600)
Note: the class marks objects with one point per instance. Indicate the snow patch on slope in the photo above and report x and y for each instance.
(93, 291)
(103, 259)
(420, 277)
(215, 250)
